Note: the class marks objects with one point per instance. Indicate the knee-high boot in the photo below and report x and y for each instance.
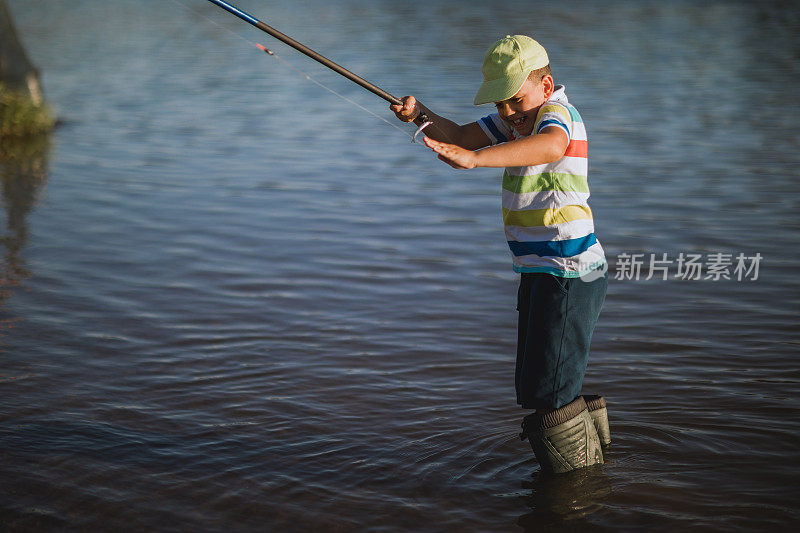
(599, 413)
(564, 439)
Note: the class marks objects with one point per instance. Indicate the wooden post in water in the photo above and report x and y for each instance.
(22, 108)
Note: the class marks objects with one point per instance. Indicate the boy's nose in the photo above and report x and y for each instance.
(504, 110)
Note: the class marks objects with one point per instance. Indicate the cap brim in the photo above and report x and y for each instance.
(500, 89)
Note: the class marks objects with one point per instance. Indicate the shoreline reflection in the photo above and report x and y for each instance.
(23, 172)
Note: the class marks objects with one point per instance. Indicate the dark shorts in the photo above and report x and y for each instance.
(556, 321)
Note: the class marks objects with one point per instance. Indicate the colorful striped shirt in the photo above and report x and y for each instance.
(548, 222)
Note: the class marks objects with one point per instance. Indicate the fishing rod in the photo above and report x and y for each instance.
(300, 47)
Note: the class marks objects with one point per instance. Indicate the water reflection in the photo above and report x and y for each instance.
(565, 499)
(23, 171)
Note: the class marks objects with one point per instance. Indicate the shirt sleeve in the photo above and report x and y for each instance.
(495, 128)
(552, 114)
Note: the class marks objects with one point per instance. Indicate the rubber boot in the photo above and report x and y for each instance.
(599, 414)
(564, 439)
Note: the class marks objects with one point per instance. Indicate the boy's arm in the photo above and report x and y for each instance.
(547, 146)
(469, 136)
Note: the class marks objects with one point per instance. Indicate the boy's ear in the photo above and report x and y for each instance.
(548, 86)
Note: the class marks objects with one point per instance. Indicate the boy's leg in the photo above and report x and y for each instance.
(557, 318)
(556, 321)
(523, 307)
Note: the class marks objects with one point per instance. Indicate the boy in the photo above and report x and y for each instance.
(540, 139)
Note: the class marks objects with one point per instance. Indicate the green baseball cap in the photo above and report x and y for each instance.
(506, 66)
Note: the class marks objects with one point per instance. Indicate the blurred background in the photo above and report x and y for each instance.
(232, 300)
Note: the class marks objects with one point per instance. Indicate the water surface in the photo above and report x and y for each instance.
(233, 301)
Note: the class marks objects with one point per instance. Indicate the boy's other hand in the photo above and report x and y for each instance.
(452, 154)
(408, 111)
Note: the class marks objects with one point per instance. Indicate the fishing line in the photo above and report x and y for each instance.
(343, 97)
(272, 53)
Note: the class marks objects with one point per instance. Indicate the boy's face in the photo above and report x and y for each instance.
(520, 110)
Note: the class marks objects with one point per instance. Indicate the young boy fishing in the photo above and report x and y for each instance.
(540, 139)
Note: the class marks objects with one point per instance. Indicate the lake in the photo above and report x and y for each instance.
(233, 301)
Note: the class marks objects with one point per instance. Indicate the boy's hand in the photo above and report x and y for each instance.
(408, 111)
(452, 154)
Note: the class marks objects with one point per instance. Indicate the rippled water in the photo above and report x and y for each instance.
(232, 301)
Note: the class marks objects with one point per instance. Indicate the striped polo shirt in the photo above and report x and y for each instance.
(548, 223)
